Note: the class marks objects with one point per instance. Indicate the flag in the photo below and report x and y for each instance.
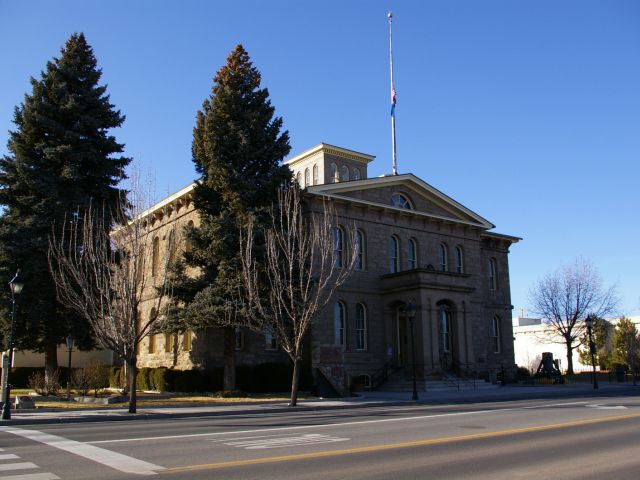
(393, 100)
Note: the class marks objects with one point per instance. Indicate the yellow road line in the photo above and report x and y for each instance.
(394, 446)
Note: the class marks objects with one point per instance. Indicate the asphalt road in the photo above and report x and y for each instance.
(581, 438)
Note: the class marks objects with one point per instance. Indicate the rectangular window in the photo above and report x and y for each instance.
(361, 328)
(239, 338)
(152, 344)
(168, 342)
(270, 342)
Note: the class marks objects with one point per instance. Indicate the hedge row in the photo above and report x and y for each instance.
(265, 377)
(262, 378)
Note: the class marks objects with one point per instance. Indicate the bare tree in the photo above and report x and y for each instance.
(306, 261)
(107, 277)
(566, 297)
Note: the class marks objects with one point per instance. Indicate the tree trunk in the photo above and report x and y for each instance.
(229, 382)
(133, 373)
(570, 357)
(295, 381)
(50, 361)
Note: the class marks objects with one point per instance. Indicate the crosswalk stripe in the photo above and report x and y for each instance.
(17, 466)
(115, 460)
(8, 456)
(32, 476)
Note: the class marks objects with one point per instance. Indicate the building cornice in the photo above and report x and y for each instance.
(363, 158)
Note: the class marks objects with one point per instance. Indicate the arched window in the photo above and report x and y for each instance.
(444, 327)
(339, 323)
(171, 244)
(299, 179)
(356, 174)
(152, 338)
(338, 246)
(361, 327)
(400, 201)
(344, 174)
(307, 178)
(492, 274)
(394, 255)
(412, 254)
(141, 264)
(443, 258)
(155, 257)
(459, 260)
(359, 250)
(495, 333)
(188, 246)
(315, 174)
(335, 178)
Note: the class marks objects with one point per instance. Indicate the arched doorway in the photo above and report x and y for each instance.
(446, 336)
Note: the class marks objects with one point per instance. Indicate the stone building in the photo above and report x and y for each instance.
(415, 246)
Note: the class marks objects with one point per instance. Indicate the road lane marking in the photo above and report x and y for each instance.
(280, 442)
(395, 446)
(32, 476)
(111, 459)
(17, 466)
(328, 425)
(598, 406)
(8, 456)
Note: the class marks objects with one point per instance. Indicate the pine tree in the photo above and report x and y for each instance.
(237, 150)
(61, 159)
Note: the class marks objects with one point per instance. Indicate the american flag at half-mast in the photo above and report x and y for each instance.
(393, 101)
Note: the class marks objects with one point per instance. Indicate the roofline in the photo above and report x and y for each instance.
(501, 236)
(365, 157)
(167, 200)
(397, 179)
(391, 208)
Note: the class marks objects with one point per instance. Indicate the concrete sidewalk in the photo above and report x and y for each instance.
(363, 400)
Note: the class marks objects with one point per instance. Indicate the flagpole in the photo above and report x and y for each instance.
(393, 102)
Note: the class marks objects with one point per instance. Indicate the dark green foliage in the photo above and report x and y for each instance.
(117, 377)
(143, 380)
(237, 149)
(602, 333)
(61, 159)
(262, 378)
(20, 375)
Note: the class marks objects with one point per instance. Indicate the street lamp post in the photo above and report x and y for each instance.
(592, 349)
(411, 313)
(69, 349)
(16, 288)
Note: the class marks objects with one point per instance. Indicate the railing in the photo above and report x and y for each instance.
(460, 374)
(381, 375)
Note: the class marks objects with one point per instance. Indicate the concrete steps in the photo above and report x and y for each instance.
(401, 382)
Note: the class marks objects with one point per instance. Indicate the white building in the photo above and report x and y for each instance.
(532, 337)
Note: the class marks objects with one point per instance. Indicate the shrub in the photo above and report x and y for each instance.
(97, 374)
(117, 378)
(43, 385)
(81, 381)
(20, 376)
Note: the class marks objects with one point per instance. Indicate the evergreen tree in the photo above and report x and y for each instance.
(237, 150)
(626, 343)
(61, 159)
(602, 333)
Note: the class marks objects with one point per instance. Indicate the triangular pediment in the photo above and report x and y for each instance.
(423, 198)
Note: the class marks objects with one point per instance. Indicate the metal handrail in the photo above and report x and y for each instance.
(382, 374)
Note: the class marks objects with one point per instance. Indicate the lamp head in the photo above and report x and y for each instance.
(70, 342)
(16, 284)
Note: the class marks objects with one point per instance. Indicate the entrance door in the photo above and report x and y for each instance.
(445, 334)
(403, 340)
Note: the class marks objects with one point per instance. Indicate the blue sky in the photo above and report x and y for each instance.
(527, 112)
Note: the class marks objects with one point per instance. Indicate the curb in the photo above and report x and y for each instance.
(119, 416)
